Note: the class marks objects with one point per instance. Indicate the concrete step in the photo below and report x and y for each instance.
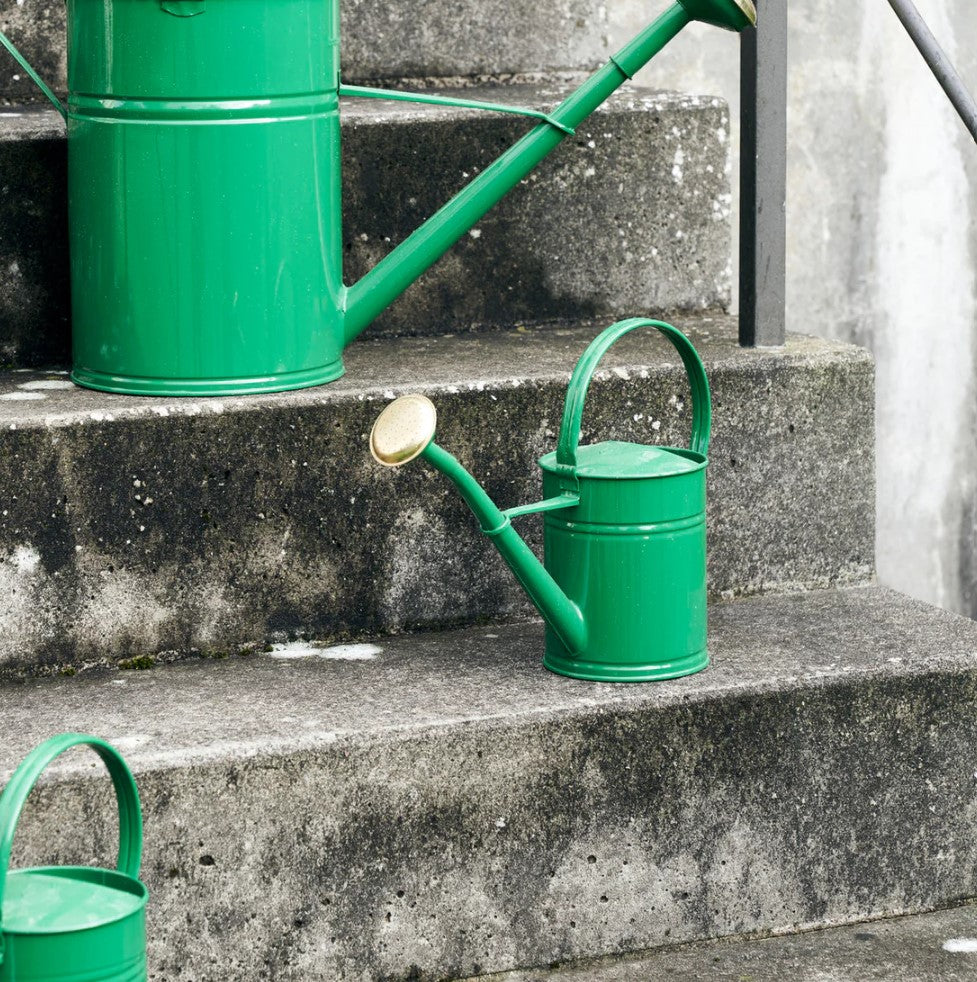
(381, 39)
(935, 947)
(561, 245)
(147, 526)
(439, 806)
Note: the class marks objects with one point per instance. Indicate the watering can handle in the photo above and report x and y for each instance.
(19, 787)
(566, 451)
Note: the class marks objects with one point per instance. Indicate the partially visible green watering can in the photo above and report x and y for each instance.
(204, 189)
(73, 923)
(623, 588)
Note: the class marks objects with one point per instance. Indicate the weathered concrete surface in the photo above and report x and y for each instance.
(38, 28)
(882, 239)
(382, 39)
(154, 525)
(937, 947)
(561, 245)
(447, 807)
(33, 239)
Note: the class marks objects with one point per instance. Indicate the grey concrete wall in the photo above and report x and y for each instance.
(882, 194)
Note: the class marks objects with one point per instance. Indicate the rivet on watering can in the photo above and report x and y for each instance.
(204, 189)
(623, 587)
(70, 923)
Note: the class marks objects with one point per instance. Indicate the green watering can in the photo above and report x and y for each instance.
(73, 923)
(204, 189)
(623, 588)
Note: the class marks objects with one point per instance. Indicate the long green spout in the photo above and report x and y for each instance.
(404, 431)
(561, 613)
(400, 268)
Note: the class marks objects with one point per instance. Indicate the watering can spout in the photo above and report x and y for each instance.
(405, 430)
(366, 299)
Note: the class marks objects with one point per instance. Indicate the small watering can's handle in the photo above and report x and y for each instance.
(19, 787)
(566, 451)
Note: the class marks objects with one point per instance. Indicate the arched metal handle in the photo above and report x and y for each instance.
(19, 787)
(566, 451)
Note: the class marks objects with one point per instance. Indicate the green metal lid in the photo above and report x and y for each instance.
(59, 899)
(615, 460)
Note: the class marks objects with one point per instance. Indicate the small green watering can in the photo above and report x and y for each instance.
(204, 189)
(623, 588)
(73, 923)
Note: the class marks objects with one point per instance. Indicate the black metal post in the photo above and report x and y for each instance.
(763, 177)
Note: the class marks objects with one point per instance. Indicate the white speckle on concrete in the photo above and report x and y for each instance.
(475, 233)
(960, 945)
(337, 652)
(46, 383)
(130, 742)
(22, 396)
(677, 165)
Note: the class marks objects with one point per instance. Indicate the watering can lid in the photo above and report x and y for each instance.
(615, 460)
(59, 899)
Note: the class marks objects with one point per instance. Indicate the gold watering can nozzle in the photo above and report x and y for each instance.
(403, 430)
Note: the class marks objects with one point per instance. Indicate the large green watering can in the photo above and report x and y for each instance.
(204, 189)
(623, 587)
(73, 923)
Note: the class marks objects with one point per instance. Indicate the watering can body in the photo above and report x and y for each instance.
(204, 201)
(632, 556)
(72, 923)
(204, 195)
(622, 585)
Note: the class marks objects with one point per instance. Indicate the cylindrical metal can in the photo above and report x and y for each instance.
(204, 195)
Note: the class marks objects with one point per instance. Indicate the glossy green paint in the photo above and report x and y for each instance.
(623, 584)
(72, 923)
(204, 190)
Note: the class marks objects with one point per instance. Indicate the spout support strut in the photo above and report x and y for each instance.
(35, 78)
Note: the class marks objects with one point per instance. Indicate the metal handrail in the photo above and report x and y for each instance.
(940, 65)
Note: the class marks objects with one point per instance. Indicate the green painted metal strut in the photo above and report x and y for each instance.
(394, 95)
(366, 299)
(38, 81)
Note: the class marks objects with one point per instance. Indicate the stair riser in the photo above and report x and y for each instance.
(563, 244)
(484, 847)
(211, 527)
(34, 316)
(380, 39)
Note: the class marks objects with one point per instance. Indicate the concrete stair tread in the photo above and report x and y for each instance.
(30, 123)
(380, 368)
(934, 947)
(449, 809)
(543, 92)
(304, 696)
